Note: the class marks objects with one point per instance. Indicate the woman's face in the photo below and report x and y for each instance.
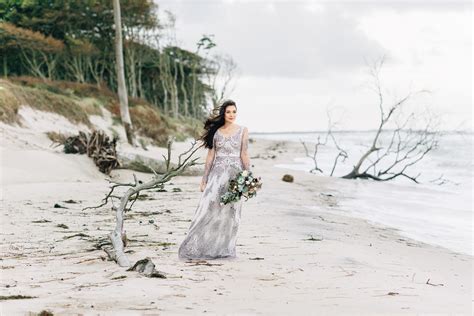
(230, 114)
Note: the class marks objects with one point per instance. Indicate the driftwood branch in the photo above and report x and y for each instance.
(118, 235)
(328, 136)
(442, 180)
(406, 147)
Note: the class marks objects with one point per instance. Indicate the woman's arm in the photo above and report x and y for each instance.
(207, 167)
(244, 155)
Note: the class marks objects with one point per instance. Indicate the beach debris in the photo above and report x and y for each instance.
(393, 293)
(311, 238)
(263, 156)
(147, 268)
(411, 244)
(76, 144)
(200, 262)
(5, 268)
(15, 297)
(56, 205)
(98, 146)
(330, 199)
(70, 201)
(288, 178)
(89, 260)
(62, 226)
(329, 221)
(77, 235)
(271, 277)
(41, 221)
(144, 197)
(165, 244)
(442, 180)
(257, 258)
(439, 284)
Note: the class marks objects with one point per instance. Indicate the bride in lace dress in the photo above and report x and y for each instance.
(213, 230)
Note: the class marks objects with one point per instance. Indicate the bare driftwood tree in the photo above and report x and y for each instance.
(122, 89)
(118, 235)
(329, 136)
(406, 144)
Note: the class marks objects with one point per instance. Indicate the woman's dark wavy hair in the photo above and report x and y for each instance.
(213, 123)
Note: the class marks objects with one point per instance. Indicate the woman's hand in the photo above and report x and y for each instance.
(202, 186)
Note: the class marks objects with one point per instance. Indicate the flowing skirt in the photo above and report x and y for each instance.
(213, 230)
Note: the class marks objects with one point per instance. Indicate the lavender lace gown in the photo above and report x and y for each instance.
(213, 230)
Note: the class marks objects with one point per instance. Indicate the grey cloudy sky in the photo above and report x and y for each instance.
(297, 57)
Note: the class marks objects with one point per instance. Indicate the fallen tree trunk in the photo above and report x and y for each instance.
(118, 235)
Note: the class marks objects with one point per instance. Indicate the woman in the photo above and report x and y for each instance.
(213, 230)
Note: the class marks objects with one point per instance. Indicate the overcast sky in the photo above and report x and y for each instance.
(296, 58)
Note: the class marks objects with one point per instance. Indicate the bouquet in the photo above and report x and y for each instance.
(244, 184)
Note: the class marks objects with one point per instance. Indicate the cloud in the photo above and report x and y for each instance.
(279, 39)
(407, 5)
(296, 57)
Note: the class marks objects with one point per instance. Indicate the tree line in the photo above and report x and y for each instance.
(74, 41)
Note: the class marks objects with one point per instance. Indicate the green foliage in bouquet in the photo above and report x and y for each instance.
(244, 184)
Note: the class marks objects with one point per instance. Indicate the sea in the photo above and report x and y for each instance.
(438, 210)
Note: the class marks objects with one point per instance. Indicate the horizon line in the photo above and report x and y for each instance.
(358, 131)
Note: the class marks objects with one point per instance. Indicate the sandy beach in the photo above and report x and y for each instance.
(297, 254)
